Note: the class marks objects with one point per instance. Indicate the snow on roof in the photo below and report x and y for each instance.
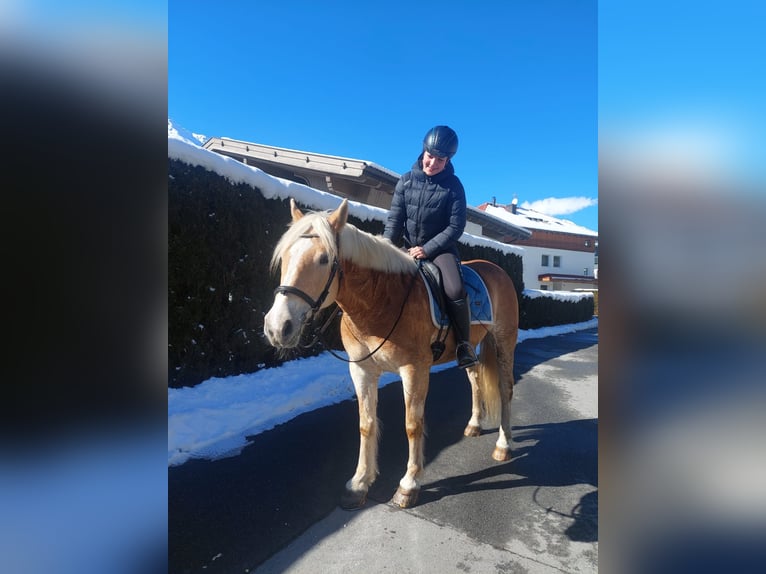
(184, 146)
(535, 220)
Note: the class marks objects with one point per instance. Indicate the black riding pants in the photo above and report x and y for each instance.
(452, 279)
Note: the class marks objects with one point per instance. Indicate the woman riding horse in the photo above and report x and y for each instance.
(429, 210)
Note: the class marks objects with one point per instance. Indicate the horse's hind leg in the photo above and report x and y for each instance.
(366, 386)
(485, 394)
(492, 389)
(502, 450)
(473, 428)
(415, 386)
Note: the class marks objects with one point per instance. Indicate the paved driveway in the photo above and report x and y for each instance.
(274, 507)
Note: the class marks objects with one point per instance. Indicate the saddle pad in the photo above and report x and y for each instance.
(478, 299)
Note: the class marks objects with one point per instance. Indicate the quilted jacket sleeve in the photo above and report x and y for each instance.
(396, 215)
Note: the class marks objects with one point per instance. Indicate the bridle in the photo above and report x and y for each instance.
(315, 305)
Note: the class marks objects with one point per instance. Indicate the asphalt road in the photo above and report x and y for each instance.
(274, 507)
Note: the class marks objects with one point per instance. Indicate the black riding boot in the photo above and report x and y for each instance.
(461, 321)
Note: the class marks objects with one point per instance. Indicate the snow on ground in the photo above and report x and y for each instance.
(212, 420)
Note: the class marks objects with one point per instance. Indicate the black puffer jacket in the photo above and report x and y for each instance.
(428, 211)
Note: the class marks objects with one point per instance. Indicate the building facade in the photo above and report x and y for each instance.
(559, 255)
(356, 179)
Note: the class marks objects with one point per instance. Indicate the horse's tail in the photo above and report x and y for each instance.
(489, 381)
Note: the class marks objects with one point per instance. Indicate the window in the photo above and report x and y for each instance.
(544, 262)
(543, 287)
(557, 260)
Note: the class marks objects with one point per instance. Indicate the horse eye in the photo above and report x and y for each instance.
(323, 259)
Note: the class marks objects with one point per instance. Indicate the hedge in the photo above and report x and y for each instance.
(220, 240)
(538, 312)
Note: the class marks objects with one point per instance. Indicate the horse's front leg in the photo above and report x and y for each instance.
(366, 386)
(415, 386)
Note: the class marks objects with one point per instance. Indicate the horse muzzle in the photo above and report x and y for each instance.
(282, 327)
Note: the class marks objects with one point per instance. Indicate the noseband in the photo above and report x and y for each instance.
(315, 305)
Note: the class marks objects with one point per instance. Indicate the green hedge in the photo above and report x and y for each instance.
(220, 240)
(510, 262)
(221, 237)
(218, 280)
(547, 311)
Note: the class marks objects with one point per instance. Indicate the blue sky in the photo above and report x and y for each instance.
(515, 79)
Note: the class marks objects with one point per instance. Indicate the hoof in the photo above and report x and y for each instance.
(472, 430)
(405, 498)
(501, 454)
(352, 500)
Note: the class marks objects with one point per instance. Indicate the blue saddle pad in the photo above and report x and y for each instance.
(478, 299)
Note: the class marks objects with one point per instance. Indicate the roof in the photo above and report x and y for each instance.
(345, 166)
(496, 224)
(366, 172)
(531, 219)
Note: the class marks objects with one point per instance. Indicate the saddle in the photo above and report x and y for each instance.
(478, 298)
(432, 276)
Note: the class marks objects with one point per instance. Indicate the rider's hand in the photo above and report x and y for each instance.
(417, 252)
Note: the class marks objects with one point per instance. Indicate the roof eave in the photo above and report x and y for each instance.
(497, 224)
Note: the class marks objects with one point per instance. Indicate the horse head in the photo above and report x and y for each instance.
(307, 255)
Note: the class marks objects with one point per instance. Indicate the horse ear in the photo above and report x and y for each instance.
(338, 217)
(294, 211)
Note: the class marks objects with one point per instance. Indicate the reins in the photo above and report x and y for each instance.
(385, 339)
(316, 305)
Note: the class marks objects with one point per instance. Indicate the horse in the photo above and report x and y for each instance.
(386, 326)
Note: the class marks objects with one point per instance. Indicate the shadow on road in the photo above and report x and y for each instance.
(233, 514)
(585, 514)
(555, 454)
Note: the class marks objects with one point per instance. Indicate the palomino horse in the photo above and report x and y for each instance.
(386, 326)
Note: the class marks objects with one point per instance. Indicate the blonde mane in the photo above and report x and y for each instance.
(357, 246)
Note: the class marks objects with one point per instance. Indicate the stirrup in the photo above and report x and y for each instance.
(466, 356)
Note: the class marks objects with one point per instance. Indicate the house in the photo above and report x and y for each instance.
(559, 255)
(356, 179)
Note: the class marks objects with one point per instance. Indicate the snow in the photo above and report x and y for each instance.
(573, 296)
(531, 219)
(213, 419)
(177, 132)
(183, 146)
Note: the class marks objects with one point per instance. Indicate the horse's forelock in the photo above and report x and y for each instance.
(309, 224)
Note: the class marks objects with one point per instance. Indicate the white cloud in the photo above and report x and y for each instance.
(560, 205)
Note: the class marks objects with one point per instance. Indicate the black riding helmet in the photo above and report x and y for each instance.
(440, 141)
